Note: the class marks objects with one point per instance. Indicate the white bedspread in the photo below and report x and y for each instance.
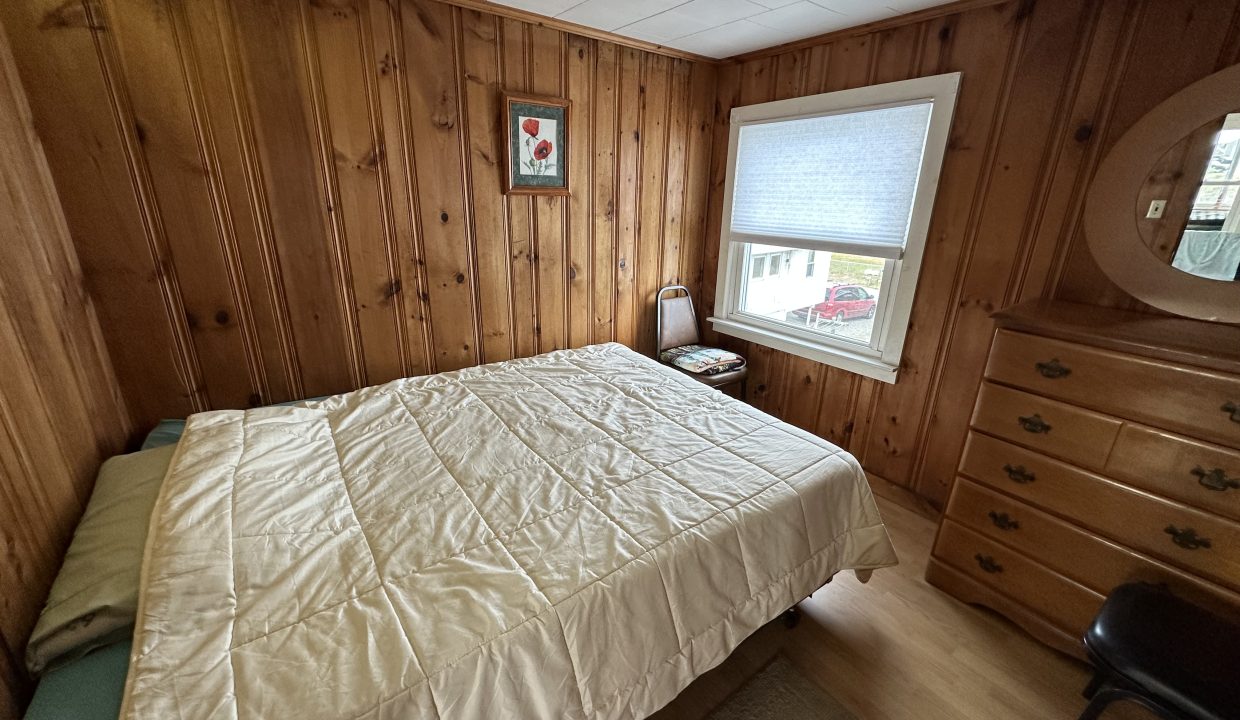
(575, 535)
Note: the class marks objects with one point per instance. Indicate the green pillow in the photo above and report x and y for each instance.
(94, 599)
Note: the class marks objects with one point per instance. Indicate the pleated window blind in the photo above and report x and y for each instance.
(848, 179)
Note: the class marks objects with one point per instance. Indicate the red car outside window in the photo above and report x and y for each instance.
(843, 302)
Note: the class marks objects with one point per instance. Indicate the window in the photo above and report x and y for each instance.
(1215, 205)
(758, 269)
(842, 183)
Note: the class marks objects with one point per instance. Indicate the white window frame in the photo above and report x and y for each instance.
(881, 358)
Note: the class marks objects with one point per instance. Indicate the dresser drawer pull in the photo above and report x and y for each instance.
(1215, 479)
(1003, 521)
(1053, 369)
(1187, 538)
(1232, 410)
(1034, 424)
(1019, 474)
(987, 563)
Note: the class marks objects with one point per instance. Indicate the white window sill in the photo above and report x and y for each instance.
(832, 355)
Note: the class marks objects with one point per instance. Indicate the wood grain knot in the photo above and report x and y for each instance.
(428, 22)
(460, 278)
(69, 14)
(444, 121)
(387, 64)
(222, 317)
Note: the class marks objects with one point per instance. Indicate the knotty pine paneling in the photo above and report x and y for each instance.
(275, 199)
(1048, 86)
(60, 407)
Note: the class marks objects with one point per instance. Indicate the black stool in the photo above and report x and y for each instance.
(1176, 658)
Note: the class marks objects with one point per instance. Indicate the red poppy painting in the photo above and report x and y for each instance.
(538, 151)
(537, 141)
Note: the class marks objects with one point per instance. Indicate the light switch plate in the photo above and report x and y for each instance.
(1157, 207)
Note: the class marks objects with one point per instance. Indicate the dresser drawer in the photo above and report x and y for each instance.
(1094, 562)
(1054, 428)
(1167, 530)
(1201, 403)
(1064, 602)
(1202, 475)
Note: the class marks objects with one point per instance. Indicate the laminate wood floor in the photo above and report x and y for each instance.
(899, 648)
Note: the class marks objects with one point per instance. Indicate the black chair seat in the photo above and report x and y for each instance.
(1182, 656)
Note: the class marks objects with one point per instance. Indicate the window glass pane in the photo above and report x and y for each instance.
(806, 300)
(1213, 203)
(850, 176)
(1223, 163)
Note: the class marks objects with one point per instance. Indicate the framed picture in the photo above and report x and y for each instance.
(537, 143)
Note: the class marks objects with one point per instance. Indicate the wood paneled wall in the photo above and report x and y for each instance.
(1048, 86)
(60, 410)
(275, 199)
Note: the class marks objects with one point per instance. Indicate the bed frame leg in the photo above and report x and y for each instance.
(791, 617)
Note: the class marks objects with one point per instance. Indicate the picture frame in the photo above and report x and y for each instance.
(536, 144)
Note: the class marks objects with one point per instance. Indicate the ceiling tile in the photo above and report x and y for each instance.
(611, 14)
(899, 7)
(720, 28)
(774, 3)
(803, 18)
(858, 12)
(692, 17)
(732, 39)
(549, 8)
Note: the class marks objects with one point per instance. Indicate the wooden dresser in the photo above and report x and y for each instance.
(1104, 447)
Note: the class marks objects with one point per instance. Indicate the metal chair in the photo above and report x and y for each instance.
(676, 326)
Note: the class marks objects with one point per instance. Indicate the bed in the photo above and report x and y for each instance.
(578, 534)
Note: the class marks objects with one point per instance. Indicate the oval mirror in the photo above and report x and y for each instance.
(1162, 217)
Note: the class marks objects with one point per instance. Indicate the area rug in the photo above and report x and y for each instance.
(780, 692)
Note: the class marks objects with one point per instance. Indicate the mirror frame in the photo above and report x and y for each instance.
(1111, 218)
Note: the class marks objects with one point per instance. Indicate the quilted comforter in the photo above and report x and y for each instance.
(574, 535)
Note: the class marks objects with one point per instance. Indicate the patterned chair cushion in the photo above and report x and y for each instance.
(702, 360)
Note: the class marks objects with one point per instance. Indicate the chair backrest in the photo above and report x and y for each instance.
(676, 323)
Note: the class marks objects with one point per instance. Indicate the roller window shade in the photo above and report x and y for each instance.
(846, 180)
